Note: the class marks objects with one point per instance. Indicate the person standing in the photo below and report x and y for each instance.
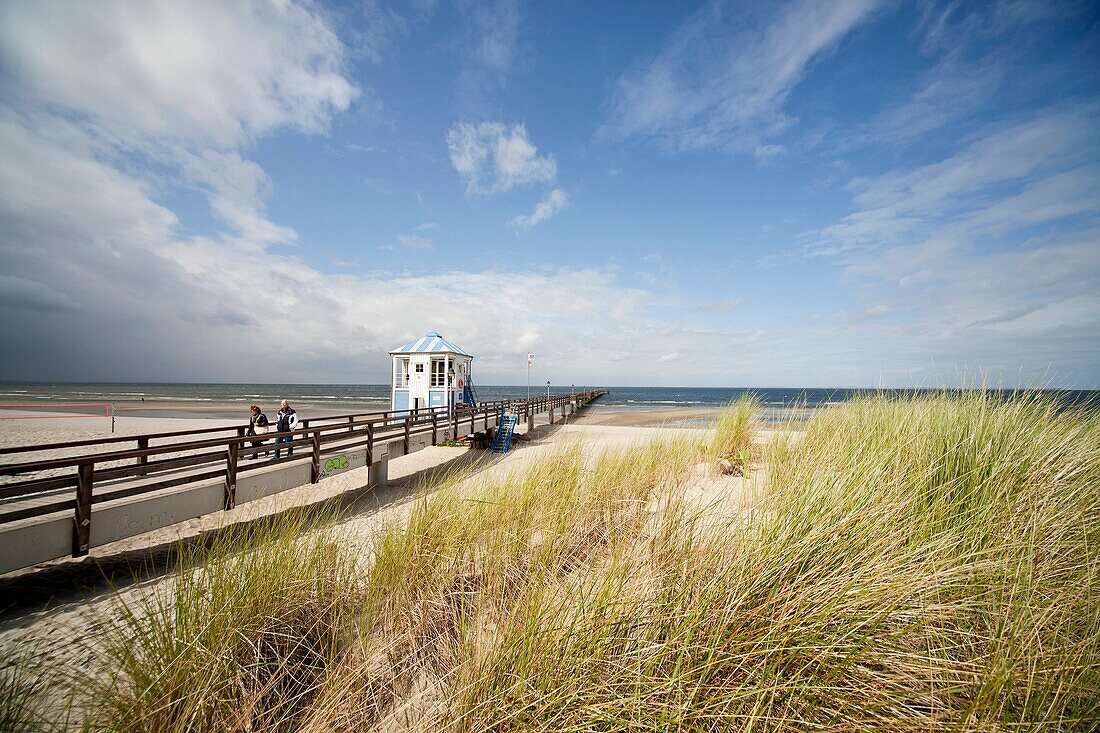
(258, 424)
(287, 421)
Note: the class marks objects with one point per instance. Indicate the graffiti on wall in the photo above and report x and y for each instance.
(339, 463)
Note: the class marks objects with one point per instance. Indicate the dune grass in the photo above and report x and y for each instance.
(925, 564)
(25, 694)
(244, 640)
(732, 439)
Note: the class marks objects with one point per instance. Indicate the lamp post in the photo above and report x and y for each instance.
(530, 358)
(548, 389)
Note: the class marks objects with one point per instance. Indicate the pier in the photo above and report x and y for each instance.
(128, 485)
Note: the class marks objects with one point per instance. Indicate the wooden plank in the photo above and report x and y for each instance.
(152, 467)
(36, 486)
(315, 464)
(240, 431)
(108, 441)
(82, 515)
(127, 491)
(231, 456)
(14, 515)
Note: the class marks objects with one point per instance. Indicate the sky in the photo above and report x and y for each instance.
(804, 193)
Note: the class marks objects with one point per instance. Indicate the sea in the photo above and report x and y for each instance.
(780, 404)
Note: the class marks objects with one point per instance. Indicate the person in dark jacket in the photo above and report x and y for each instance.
(287, 421)
(257, 425)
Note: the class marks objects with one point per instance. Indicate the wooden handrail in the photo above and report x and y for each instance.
(341, 432)
(483, 410)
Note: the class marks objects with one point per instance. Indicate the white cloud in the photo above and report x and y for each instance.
(768, 153)
(493, 158)
(415, 241)
(1034, 160)
(555, 202)
(490, 47)
(198, 73)
(724, 306)
(723, 76)
(237, 189)
(177, 90)
(954, 89)
(988, 257)
(108, 286)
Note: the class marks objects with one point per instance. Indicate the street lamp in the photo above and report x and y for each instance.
(548, 389)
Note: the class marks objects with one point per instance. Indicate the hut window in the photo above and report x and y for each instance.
(402, 376)
(439, 378)
(419, 368)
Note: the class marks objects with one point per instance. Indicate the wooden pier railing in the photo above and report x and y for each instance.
(110, 469)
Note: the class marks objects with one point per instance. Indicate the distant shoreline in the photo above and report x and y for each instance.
(228, 403)
(236, 413)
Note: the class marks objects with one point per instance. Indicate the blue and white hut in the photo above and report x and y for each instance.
(431, 372)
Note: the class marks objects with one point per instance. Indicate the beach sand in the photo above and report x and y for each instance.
(624, 417)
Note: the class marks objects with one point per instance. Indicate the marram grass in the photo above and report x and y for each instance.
(243, 641)
(927, 564)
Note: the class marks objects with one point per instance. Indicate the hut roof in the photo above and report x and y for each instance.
(432, 343)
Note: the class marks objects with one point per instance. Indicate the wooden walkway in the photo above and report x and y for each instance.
(123, 486)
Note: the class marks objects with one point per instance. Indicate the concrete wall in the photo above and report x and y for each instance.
(127, 517)
(29, 541)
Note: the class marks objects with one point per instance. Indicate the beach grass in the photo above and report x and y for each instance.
(243, 639)
(732, 439)
(25, 694)
(926, 564)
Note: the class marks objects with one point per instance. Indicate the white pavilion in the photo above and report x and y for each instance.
(430, 372)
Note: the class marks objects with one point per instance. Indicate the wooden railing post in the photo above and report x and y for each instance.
(231, 457)
(351, 423)
(143, 444)
(408, 419)
(435, 425)
(315, 465)
(82, 524)
(370, 443)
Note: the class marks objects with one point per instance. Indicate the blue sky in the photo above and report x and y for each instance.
(854, 193)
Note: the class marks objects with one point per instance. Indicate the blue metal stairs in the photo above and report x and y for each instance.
(502, 439)
(469, 396)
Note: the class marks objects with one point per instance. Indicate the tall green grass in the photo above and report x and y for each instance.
(244, 640)
(733, 433)
(925, 564)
